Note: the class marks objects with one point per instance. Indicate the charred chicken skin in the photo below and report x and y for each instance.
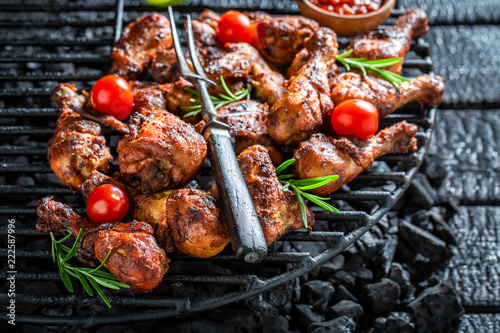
(141, 41)
(135, 259)
(394, 42)
(247, 124)
(300, 112)
(424, 89)
(278, 211)
(186, 220)
(279, 39)
(160, 152)
(77, 147)
(347, 157)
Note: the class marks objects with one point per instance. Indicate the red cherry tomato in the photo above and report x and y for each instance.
(107, 203)
(235, 27)
(355, 117)
(113, 95)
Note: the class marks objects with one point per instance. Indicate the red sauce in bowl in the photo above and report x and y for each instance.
(348, 7)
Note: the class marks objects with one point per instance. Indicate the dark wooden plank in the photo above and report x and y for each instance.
(464, 155)
(457, 11)
(475, 267)
(479, 323)
(467, 58)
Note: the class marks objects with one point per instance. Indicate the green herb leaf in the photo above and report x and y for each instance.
(84, 283)
(301, 185)
(65, 279)
(61, 254)
(100, 292)
(218, 101)
(284, 165)
(375, 66)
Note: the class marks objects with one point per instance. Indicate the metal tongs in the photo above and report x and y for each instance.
(245, 232)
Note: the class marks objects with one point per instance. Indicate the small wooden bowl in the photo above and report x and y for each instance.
(347, 25)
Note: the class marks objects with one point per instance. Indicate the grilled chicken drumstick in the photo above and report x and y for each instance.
(394, 42)
(77, 147)
(161, 151)
(426, 88)
(141, 41)
(346, 157)
(186, 220)
(278, 211)
(300, 112)
(135, 259)
(279, 39)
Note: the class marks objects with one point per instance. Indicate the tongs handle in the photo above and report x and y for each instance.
(243, 225)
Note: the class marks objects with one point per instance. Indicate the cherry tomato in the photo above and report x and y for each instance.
(235, 27)
(113, 95)
(355, 117)
(107, 203)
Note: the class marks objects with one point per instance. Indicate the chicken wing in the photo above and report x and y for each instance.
(141, 41)
(425, 89)
(135, 259)
(161, 151)
(77, 147)
(278, 211)
(279, 39)
(247, 124)
(346, 157)
(394, 42)
(185, 220)
(300, 112)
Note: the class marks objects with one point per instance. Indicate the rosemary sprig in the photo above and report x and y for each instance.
(301, 185)
(220, 101)
(61, 254)
(375, 66)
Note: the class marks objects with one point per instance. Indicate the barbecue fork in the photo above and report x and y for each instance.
(245, 232)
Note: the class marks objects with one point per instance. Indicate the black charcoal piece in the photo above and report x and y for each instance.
(442, 229)
(318, 293)
(201, 325)
(344, 308)
(421, 191)
(333, 265)
(430, 282)
(354, 263)
(343, 293)
(275, 324)
(369, 246)
(435, 307)
(422, 241)
(421, 220)
(401, 276)
(382, 296)
(363, 277)
(303, 315)
(399, 322)
(277, 299)
(379, 324)
(339, 325)
(384, 260)
(345, 278)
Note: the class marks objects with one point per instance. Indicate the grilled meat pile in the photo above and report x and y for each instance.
(161, 153)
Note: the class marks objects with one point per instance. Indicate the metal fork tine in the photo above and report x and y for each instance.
(192, 51)
(185, 70)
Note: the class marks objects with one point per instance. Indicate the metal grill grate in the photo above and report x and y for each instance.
(34, 57)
